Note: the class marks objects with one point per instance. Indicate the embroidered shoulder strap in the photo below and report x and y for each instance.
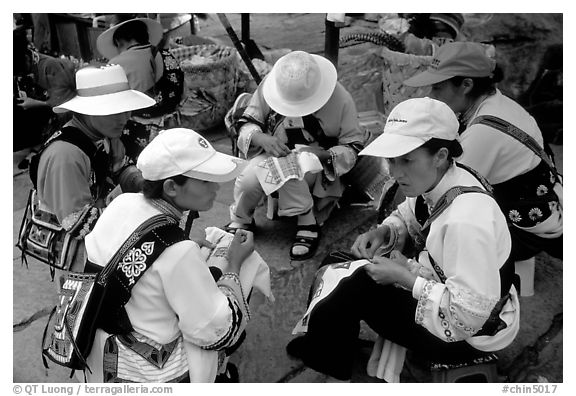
(129, 264)
(518, 134)
(447, 198)
(67, 134)
(485, 183)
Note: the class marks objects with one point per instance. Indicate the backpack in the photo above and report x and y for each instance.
(95, 299)
(73, 136)
(41, 236)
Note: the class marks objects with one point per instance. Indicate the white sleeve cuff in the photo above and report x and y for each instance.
(418, 286)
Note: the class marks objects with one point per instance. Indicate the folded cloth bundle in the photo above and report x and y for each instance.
(254, 274)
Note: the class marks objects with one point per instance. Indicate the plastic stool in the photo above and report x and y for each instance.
(481, 369)
(525, 270)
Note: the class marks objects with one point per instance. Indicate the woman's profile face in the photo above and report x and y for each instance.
(450, 94)
(195, 194)
(416, 172)
(110, 126)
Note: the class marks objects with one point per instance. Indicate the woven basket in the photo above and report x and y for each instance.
(210, 78)
(397, 68)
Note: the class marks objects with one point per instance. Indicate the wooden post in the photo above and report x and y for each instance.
(245, 33)
(332, 38)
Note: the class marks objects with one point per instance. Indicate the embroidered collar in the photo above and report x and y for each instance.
(135, 47)
(167, 208)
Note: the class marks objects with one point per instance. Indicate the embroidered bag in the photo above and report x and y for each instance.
(95, 299)
(504, 126)
(41, 235)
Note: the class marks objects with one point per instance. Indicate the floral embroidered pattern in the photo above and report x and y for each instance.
(553, 205)
(470, 302)
(423, 300)
(446, 326)
(90, 222)
(134, 263)
(541, 190)
(535, 214)
(514, 215)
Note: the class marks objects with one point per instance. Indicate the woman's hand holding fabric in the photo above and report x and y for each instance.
(366, 244)
(323, 155)
(240, 248)
(272, 145)
(385, 271)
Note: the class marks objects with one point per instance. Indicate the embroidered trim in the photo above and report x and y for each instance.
(469, 302)
(236, 279)
(94, 214)
(167, 208)
(72, 219)
(423, 301)
(134, 263)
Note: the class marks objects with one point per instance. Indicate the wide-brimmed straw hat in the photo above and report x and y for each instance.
(103, 91)
(411, 124)
(105, 42)
(299, 84)
(460, 58)
(182, 151)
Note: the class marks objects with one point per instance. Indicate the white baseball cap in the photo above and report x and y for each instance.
(411, 124)
(181, 151)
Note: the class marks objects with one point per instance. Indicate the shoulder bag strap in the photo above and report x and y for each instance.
(136, 238)
(518, 134)
(127, 267)
(447, 198)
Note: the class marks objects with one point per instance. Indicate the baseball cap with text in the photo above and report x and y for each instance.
(460, 58)
(181, 151)
(411, 124)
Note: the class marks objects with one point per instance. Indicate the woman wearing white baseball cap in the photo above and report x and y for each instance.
(454, 296)
(300, 102)
(177, 299)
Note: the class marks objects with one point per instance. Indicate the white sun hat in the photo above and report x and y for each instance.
(411, 124)
(182, 151)
(299, 84)
(105, 42)
(103, 91)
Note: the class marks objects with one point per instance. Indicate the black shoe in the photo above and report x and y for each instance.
(23, 164)
(230, 376)
(297, 347)
(248, 227)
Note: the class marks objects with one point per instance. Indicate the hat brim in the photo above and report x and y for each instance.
(426, 78)
(105, 42)
(115, 103)
(328, 75)
(391, 145)
(220, 168)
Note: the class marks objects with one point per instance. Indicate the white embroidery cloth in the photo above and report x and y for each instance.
(273, 172)
(324, 283)
(386, 360)
(254, 273)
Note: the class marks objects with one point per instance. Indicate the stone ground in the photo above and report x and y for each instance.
(535, 356)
